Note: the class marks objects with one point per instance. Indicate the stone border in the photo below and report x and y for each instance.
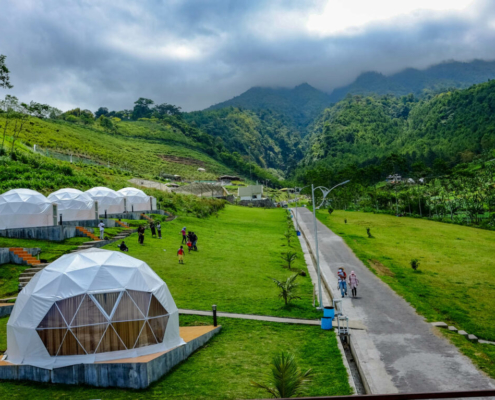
(470, 337)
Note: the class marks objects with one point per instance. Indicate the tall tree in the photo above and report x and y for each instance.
(142, 108)
(4, 74)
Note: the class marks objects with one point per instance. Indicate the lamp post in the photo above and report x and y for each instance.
(298, 192)
(325, 192)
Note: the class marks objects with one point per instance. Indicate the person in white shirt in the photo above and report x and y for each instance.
(101, 225)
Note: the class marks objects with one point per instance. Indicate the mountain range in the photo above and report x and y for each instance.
(286, 129)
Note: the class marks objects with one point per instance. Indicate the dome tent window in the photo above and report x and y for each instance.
(103, 322)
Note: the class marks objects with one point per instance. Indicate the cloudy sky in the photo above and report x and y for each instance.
(194, 53)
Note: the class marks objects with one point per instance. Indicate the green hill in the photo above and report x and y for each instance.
(260, 135)
(436, 78)
(454, 126)
(298, 106)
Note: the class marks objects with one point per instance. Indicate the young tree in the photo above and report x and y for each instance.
(287, 288)
(4, 74)
(286, 379)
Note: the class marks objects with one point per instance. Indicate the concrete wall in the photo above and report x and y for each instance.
(90, 223)
(6, 310)
(123, 375)
(53, 233)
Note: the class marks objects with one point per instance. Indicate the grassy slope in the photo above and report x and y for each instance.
(456, 277)
(238, 253)
(138, 146)
(223, 369)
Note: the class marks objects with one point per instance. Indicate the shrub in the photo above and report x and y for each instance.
(287, 288)
(286, 379)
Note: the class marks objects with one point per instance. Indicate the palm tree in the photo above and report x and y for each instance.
(286, 379)
(287, 288)
(289, 257)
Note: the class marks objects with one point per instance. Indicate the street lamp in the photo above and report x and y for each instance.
(325, 192)
(298, 192)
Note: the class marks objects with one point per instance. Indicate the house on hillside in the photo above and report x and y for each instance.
(252, 192)
(227, 179)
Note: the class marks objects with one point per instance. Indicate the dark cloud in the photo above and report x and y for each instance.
(195, 53)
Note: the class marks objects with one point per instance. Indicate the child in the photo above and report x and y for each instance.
(189, 245)
(180, 253)
(183, 232)
(159, 229)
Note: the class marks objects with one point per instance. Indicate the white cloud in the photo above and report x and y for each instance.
(351, 16)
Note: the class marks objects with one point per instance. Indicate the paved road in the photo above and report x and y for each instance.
(405, 347)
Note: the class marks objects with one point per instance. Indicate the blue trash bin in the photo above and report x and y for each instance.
(329, 312)
(326, 323)
(298, 233)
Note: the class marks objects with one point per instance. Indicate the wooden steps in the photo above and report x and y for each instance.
(122, 224)
(25, 256)
(87, 233)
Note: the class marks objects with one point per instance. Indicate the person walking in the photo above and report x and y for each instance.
(353, 283)
(159, 229)
(194, 241)
(341, 275)
(184, 235)
(180, 254)
(153, 230)
(141, 235)
(189, 245)
(101, 225)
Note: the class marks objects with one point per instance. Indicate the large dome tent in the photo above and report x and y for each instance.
(108, 200)
(136, 199)
(26, 208)
(74, 205)
(90, 306)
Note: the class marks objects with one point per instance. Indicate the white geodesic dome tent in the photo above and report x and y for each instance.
(25, 208)
(74, 205)
(90, 306)
(136, 199)
(108, 199)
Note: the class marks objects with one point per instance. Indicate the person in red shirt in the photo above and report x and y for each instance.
(184, 235)
(189, 245)
(180, 253)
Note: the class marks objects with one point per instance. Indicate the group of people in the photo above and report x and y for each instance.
(342, 281)
(191, 241)
(155, 228)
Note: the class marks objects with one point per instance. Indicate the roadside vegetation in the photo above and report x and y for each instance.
(455, 279)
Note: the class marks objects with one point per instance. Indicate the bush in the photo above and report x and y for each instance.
(415, 264)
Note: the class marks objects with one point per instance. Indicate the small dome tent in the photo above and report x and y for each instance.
(136, 199)
(108, 199)
(74, 205)
(25, 208)
(90, 306)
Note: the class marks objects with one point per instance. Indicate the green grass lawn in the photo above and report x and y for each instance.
(239, 251)
(9, 279)
(223, 368)
(456, 277)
